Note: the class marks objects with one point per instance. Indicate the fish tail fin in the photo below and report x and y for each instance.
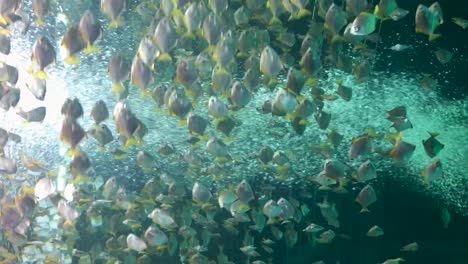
(299, 97)
(52, 173)
(290, 116)
(5, 20)
(40, 22)
(182, 122)
(364, 210)
(228, 139)
(90, 49)
(211, 50)
(162, 247)
(242, 55)
(303, 12)
(73, 152)
(72, 60)
(275, 21)
(283, 169)
(434, 36)
(177, 13)
(204, 137)
(145, 93)
(371, 132)
(189, 35)
(119, 156)
(199, 32)
(118, 87)
(342, 183)
(293, 17)
(393, 137)
(4, 31)
(30, 69)
(40, 75)
(304, 122)
(26, 190)
(377, 12)
(272, 221)
(312, 81)
(206, 206)
(355, 176)
(158, 110)
(147, 170)
(115, 23)
(80, 179)
(131, 141)
(337, 38)
(68, 223)
(37, 162)
(190, 93)
(165, 57)
(272, 83)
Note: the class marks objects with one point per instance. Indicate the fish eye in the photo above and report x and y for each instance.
(356, 28)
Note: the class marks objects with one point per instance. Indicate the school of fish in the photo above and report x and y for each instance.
(224, 54)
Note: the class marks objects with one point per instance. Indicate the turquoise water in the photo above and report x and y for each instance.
(399, 187)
